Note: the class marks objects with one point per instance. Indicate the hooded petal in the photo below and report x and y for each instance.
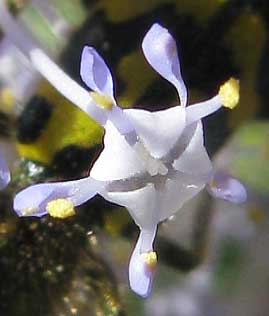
(177, 191)
(160, 130)
(160, 50)
(142, 264)
(4, 173)
(225, 187)
(95, 73)
(118, 160)
(141, 204)
(194, 160)
(33, 201)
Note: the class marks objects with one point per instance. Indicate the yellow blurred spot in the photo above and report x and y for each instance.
(103, 101)
(229, 93)
(60, 208)
(112, 303)
(7, 227)
(6, 99)
(256, 214)
(248, 60)
(3, 228)
(201, 10)
(135, 85)
(120, 11)
(73, 310)
(29, 210)
(212, 183)
(150, 259)
(67, 125)
(115, 221)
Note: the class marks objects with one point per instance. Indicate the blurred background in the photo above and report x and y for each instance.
(213, 257)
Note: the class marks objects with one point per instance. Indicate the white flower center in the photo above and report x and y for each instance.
(153, 165)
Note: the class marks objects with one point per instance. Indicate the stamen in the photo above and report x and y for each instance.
(60, 208)
(154, 166)
(150, 259)
(229, 93)
(104, 101)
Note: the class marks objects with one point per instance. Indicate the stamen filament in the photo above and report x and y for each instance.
(57, 77)
(66, 86)
(199, 110)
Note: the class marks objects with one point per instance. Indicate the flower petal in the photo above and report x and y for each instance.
(33, 200)
(141, 204)
(160, 50)
(95, 73)
(225, 187)
(118, 117)
(177, 191)
(160, 130)
(194, 160)
(142, 265)
(118, 160)
(4, 173)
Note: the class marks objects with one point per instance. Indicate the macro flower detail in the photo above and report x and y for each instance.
(152, 162)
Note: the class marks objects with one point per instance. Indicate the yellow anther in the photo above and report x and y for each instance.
(28, 211)
(60, 208)
(150, 259)
(103, 101)
(229, 93)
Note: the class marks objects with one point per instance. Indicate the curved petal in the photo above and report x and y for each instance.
(159, 130)
(160, 50)
(142, 264)
(141, 204)
(194, 160)
(225, 187)
(118, 160)
(33, 200)
(95, 73)
(178, 191)
(4, 173)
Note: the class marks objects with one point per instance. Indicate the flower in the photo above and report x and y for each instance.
(4, 173)
(152, 162)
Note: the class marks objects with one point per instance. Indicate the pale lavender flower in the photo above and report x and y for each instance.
(152, 162)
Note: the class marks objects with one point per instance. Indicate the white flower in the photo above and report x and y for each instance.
(152, 162)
